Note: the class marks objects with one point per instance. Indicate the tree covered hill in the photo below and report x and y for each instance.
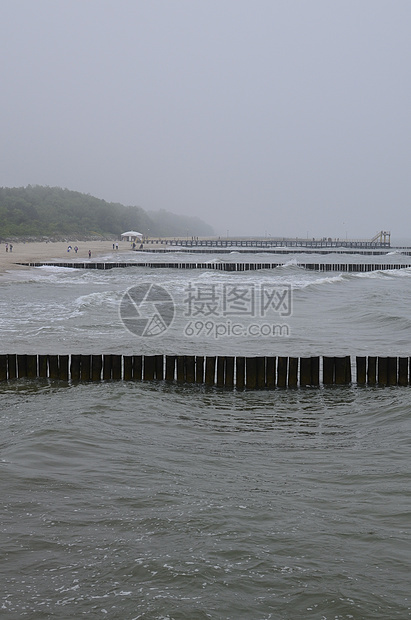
(37, 211)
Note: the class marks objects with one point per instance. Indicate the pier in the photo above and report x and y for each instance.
(381, 240)
(251, 373)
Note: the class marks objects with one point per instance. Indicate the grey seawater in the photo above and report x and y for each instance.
(156, 501)
(153, 501)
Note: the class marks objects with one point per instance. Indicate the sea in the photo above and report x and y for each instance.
(165, 501)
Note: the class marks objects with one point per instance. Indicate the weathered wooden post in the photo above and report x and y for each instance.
(3, 367)
(22, 365)
(282, 368)
(170, 367)
(116, 366)
(372, 371)
(53, 362)
(240, 373)
(361, 370)
(32, 366)
(392, 372)
(137, 367)
(315, 371)
(403, 371)
(12, 365)
(261, 381)
(149, 367)
(85, 367)
(270, 370)
(128, 367)
(341, 370)
(220, 371)
(43, 366)
(107, 366)
(229, 372)
(159, 367)
(74, 367)
(328, 370)
(63, 367)
(293, 371)
(382, 371)
(305, 371)
(199, 369)
(251, 373)
(190, 362)
(210, 370)
(348, 376)
(96, 367)
(181, 369)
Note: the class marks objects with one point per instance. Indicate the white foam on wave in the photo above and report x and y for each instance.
(104, 298)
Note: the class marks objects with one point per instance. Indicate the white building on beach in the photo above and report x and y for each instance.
(131, 235)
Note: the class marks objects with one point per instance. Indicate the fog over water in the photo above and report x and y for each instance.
(266, 118)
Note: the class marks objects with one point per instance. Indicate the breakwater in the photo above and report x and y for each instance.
(259, 372)
(220, 266)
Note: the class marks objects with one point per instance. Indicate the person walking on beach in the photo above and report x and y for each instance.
(7, 247)
(89, 253)
(11, 247)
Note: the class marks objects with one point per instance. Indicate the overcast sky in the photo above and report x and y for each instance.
(263, 117)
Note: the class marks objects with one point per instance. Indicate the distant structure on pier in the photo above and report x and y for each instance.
(381, 240)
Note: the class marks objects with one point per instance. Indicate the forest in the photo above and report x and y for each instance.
(52, 212)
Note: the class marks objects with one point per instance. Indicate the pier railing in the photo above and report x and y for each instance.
(252, 373)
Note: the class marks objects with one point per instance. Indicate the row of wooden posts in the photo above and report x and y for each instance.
(221, 371)
(340, 267)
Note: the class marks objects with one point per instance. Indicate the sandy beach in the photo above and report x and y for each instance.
(44, 251)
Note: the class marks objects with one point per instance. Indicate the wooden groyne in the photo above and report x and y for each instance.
(229, 372)
(231, 267)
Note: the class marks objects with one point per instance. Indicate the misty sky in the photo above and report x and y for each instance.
(263, 117)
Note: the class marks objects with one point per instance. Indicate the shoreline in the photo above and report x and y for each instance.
(38, 251)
